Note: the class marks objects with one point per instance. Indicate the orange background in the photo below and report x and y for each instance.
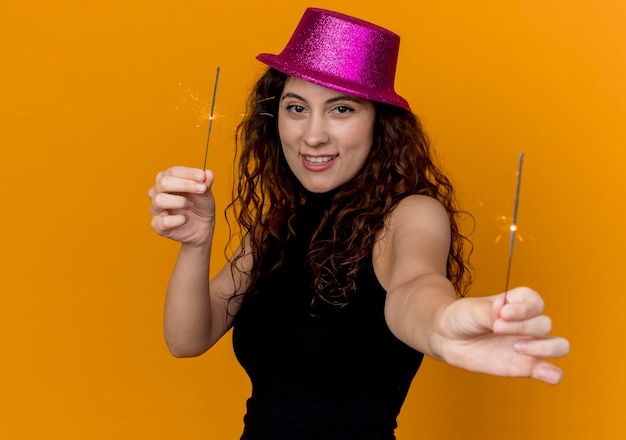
(98, 96)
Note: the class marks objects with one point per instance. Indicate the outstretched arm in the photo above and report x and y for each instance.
(477, 334)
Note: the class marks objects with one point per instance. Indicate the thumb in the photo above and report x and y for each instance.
(496, 307)
(208, 178)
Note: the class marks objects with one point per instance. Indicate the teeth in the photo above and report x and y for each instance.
(319, 159)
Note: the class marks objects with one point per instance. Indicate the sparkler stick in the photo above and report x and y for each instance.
(206, 151)
(513, 226)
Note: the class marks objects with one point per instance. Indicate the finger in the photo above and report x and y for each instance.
(180, 174)
(167, 201)
(537, 326)
(548, 373)
(554, 347)
(522, 303)
(184, 173)
(175, 184)
(163, 224)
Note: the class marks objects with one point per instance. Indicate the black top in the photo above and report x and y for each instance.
(319, 371)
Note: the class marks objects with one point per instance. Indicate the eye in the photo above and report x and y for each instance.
(342, 109)
(295, 108)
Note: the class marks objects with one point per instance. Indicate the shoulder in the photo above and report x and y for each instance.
(416, 238)
(417, 203)
(418, 213)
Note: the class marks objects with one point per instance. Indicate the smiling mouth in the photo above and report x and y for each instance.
(319, 159)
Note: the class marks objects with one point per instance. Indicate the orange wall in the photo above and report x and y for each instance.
(96, 97)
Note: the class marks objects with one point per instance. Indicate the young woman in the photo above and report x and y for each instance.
(350, 266)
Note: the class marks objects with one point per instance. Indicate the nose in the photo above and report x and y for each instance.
(316, 131)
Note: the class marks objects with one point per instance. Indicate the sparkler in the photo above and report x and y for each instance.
(513, 226)
(206, 151)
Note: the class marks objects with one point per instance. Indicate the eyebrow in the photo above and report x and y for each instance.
(329, 101)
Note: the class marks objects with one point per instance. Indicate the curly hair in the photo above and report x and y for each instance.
(266, 196)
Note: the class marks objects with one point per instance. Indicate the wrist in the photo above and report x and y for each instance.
(198, 250)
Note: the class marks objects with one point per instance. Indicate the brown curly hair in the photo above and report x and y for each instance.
(266, 196)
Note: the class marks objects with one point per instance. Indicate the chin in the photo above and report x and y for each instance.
(320, 188)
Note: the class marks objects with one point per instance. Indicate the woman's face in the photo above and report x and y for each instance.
(326, 135)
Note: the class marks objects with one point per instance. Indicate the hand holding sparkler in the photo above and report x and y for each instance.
(183, 207)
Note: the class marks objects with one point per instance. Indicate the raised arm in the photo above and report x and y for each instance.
(478, 334)
(197, 313)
